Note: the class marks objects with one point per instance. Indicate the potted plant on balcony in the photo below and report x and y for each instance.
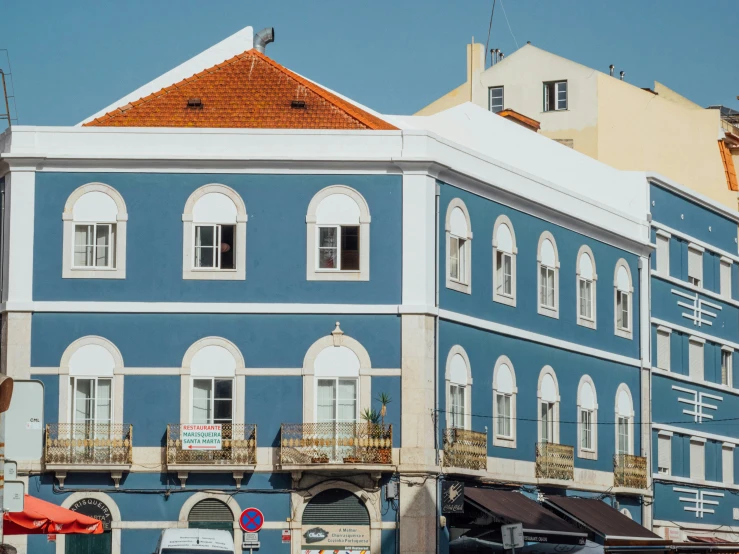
(371, 417)
(384, 454)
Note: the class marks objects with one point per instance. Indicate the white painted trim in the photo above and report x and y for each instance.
(20, 198)
(536, 337)
(687, 379)
(691, 287)
(548, 370)
(247, 371)
(690, 194)
(227, 499)
(419, 238)
(623, 333)
(549, 312)
(500, 297)
(684, 525)
(581, 452)
(460, 286)
(201, 308)
(453, 351)
(674, 232)
(500, 440)
(91, 340)
(694, 433)
(591, 323)
(692, 332)
(694, 482)
(623, 387)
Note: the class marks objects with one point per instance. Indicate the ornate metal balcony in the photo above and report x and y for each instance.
(555, 461)
(465, 449)
(629, 471)
(335, 443)
(93, 444)
(238, 447)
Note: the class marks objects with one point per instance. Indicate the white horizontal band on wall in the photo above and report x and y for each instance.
(661, 477)
(688, 286)
(705, 245)
(694, 433)
(687, 379)
(692, 332)
(248, 371)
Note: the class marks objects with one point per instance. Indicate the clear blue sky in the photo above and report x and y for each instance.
(71, 58)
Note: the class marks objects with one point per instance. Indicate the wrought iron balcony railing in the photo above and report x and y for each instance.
(465, 449)
(101, 444)
(555, 461)
(336, 443)
(629, 471)
(238, 447)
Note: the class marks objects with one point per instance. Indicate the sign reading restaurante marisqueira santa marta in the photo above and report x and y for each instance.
(201, 436)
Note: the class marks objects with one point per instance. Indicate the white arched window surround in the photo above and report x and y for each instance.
(214, 215)
(623, 300)
(212, 364)
(547, 262)
(504, 261)
(504, 387)
(458, 231)
(340, 357)
(93, 367)
(586, 288)
(587, 419)
(624, 418)
(334, 215)
(96, 214)
(548, 406)
(115, 516)
(458, 377)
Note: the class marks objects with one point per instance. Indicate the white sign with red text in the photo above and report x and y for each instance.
(197, 436)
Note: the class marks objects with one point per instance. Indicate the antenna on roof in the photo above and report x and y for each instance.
(7, 115)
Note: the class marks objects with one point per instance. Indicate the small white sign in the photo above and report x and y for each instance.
(250, 546)
(10, 470)
(512, 535)
(14, 497)
(201, 436)
(251, 537)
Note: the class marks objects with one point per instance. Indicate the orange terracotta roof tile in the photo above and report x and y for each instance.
(248, 91)
(729, 168)
(521, 119)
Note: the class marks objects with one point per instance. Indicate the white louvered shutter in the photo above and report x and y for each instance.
(663, 254)
(697, 460)
(695, 264)
(727, 464)
(663, 350)
(664, 454)
(695, 360)
(725, 279)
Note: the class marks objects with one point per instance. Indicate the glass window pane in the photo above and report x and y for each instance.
(205, 251)
(102, 245)
(224, 389)
(201, 401)
(84, 401)
(454, 258)
(205, 235)
(350, 248)
(347, 400)
(328, 248)
(222, 411)
(104, 414)
(326, 400)
(83, 246)
(328, 237)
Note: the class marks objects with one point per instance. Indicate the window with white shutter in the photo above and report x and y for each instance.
(663, 348)
(697, 458)
(663, 252)
(725, 277)
(695, 265)
(695, 358)
(727, 354)
(664, 453)
(727, 463)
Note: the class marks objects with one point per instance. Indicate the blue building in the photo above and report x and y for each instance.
(694, 319)
(222, 278)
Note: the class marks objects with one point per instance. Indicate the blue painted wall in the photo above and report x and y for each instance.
(483, 349)
(685, 216)
(528, 229)
(669, 507)
(150, 403)
(276, 240)
(161, 340)
(669, 410)
(270, 401)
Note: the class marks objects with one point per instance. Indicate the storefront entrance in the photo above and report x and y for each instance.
(335, 520)
(211, 514)
(91, 544)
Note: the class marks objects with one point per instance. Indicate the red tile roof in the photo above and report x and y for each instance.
(248, 91)
(729, 168)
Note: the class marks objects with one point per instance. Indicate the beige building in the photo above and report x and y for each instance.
(607, 118)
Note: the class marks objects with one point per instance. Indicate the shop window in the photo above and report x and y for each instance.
(459, 247)
(548, 269)
(586, 292)
(504, 262)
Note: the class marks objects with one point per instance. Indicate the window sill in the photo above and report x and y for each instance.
(587, 455)
(624, 334)
(94, 273)
(584, 322)
(458, 286)
(214, 274)
(337, 275)
(504, 442)
(549, 312)
(505, 299)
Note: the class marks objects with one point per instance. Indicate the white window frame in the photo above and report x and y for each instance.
(618, 296)
(464, 283)
(499, 295)
(502, 440)
(727, 373)
(629, 420)
(725, 271)
(94, 245)
(217, 241)
(548, 100)
(95, 379)
(664, 452)
(555, 406)
(549, 311)
(663, 359)
(592, 452)
(189, 271)
(695, 262)
(213, 398)
(117, 244)
(467, 386)
(313, 272)
(502, 98)
(662, 252)
(589, 322)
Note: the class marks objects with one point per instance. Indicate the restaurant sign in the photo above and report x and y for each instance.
(337, 537)
(452, 497)
(201, 437)
(94, 508)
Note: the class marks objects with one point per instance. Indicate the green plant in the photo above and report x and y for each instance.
(370, 415)
(384, 399)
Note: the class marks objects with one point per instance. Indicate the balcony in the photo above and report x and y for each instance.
(97, 447)
(629, 471)
(555, 461)
(465, 449)
(339, 443)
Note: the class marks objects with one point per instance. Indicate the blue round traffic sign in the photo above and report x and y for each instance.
(251, 520)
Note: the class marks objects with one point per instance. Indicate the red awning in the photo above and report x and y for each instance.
(40, 517)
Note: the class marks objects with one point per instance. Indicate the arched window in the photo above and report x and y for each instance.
(211, 513)
(214, 239)
(548, 394)
(626, 512)
(624, 421)
(213, 363)
(458, 247)
(338, 227)
(94, 240)
(504, 403)
(587, 418)
(459, 389)
(548, 267)
(586, 292)
(504, 262)
(623, 300)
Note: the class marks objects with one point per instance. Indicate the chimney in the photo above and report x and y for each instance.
(622, 75)
(611, 68)
(263, 38)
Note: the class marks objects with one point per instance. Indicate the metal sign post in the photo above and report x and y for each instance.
(512, 536)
